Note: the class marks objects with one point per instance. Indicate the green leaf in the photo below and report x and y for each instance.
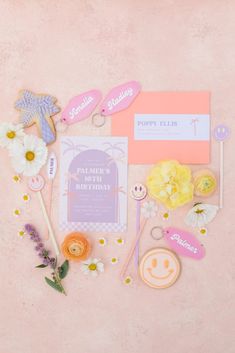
(63, 270)
(54, 285)
(41, 266)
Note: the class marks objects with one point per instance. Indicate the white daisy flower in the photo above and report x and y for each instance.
(11, 134)
(120, 241)
(201, 214)
(149, 209)
(92, 266)
(114, 260)
(102, 241)
(29, 157)
(128, 280)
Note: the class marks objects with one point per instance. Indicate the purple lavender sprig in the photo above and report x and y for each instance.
(42, 252)
(58, 272)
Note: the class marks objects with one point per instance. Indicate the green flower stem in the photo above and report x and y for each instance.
(58, 281)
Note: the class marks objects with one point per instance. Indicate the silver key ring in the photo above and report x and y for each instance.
(155, 237)
(98, 122)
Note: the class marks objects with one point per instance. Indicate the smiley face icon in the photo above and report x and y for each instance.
(138, 191)
(159, 268)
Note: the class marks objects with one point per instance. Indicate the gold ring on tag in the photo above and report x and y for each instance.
(98, 122)
(154, 235)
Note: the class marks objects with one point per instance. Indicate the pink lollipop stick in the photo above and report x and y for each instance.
(132, 250)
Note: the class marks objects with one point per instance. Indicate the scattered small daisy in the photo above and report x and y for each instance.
(102, 241)
(26, 197)
(114, 260)
(16, 178)
(16, 212)
(120, 241)
(203, 231)
(11, 134)
(149, 209)
(128, 280)
(165, 216)
(92, 266)
(21, 233)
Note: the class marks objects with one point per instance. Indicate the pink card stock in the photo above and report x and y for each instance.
(166, 125)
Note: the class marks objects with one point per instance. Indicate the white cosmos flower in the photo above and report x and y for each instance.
(201, 214)
(10, 134)
(149, 209)
(92, 266)
(29, 157)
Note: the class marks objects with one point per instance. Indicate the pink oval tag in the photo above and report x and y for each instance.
(184, 243)
(119, 98)
(80, 107)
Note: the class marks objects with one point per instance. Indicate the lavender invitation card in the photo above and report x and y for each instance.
(93, 176)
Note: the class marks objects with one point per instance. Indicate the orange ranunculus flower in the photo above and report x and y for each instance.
(75, 247)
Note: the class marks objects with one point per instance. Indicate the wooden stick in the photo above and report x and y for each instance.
(129, 257)
(221, 195)
(50, 184)
(51, 233)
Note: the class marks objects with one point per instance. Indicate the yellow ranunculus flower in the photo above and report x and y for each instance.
(204, 182)
(170, 183)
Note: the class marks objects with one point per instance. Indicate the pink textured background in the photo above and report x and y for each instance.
(67, 47)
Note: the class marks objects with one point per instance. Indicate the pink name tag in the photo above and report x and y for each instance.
(80, 107)
(120, 98)
(184, 243)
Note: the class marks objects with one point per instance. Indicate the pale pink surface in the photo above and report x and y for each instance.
(67, 47)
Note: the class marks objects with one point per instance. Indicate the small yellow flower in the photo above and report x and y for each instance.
(16, 178)
(203, 231)
(120, 241)
(128, 280)
(114, 260)
(102, 241)
(165, 216)
(21, 233)
(26, 197)
(16, 212)
(170, 183)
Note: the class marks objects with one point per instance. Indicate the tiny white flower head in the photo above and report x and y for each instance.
(203, 231)
(149, 209)
(16, 178)
(120, 241)
(128, 280)
(114, 260)
(21, 233)
(26, 197)
(16, 212)
(102, 241)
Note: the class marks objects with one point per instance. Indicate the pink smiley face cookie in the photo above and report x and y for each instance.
(159, 268)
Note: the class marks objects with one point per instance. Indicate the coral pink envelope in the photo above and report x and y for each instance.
(184, 243)
(166, 125)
